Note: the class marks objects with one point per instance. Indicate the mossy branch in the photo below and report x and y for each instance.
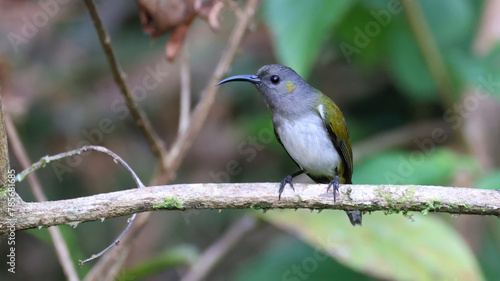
(388, 198)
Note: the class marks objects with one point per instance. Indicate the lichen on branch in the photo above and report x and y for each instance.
(389, 198)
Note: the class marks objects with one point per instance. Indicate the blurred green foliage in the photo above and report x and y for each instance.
(490, 181)
(363, 54)
(402, 167)
(386, 247)
(297, 42)
(290, 259)
(377, 35)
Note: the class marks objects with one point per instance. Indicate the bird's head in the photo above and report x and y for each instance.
(281, 87)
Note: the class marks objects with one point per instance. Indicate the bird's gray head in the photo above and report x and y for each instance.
(283, 90)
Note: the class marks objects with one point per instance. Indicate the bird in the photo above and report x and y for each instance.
(309, 125)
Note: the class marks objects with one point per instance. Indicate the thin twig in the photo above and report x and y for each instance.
(4, 147)
(22, 157)
(478, 126)
(47, 159)
(142, 122)
(117, 159)
(180, 144)
(434, 60)
(219, 249)
(117, 255)
(117, 240)
(226, 59)
(430, 51)
(60, 246)
(114, 270)
(184, 141)
(488, 32)
(233, 6)
(155, 143)
(185, 99)
(394, 198)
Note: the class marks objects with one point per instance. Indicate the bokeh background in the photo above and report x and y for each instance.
(400, 72)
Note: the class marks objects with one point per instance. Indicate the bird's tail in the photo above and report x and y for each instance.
(355, 217)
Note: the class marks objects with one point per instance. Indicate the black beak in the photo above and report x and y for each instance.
(247, 78)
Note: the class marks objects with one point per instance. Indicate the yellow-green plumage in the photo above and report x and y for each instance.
(310, 127)
(339, 134)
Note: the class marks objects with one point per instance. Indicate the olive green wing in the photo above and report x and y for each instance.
(335, 125)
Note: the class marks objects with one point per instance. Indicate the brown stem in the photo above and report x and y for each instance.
(117, 159)
(219, 249)
(430, 51)
(154, 142)
(60, 246)
(4, 150)
(180, 145)
(184, 140)
(434, 60)
(185, 99)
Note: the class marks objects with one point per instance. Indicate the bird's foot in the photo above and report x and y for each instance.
(336, 185)
(287, 179)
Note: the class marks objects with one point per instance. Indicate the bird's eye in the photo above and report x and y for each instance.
(275, 79)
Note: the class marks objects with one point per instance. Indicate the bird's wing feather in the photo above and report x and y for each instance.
(336, 127)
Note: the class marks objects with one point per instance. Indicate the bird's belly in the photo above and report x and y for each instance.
(309, 145)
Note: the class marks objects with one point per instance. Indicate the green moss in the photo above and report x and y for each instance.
(261, 206)
(3, 191)
(432, 206)
(438, 203)
(394, 202)
(169, 203)
(451, 206)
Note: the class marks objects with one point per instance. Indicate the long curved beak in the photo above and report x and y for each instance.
(246, 78)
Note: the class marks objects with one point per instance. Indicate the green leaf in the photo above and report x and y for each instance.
(288, 258)
(299, 28)
(408, 66)
(169, 258)
(491, 181)
(450, 30)
(489, 251)
(71, 240)
(387, 247)
(482, 74)
(450, 27)
(427, 166)
(361, 36)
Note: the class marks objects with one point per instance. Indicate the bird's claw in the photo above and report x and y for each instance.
(287, 179)
(336, 186)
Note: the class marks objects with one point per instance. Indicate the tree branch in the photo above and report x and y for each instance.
(390, 198)
(213, 254)
(4, 150)
(155, 143)
(434, 60)
(185, 139)
(180, 145)
(185, 95)
(60, 246)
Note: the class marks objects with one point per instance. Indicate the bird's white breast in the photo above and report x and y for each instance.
(308, 143)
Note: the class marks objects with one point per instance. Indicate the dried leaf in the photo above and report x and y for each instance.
(176, 41)
(162, 16)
